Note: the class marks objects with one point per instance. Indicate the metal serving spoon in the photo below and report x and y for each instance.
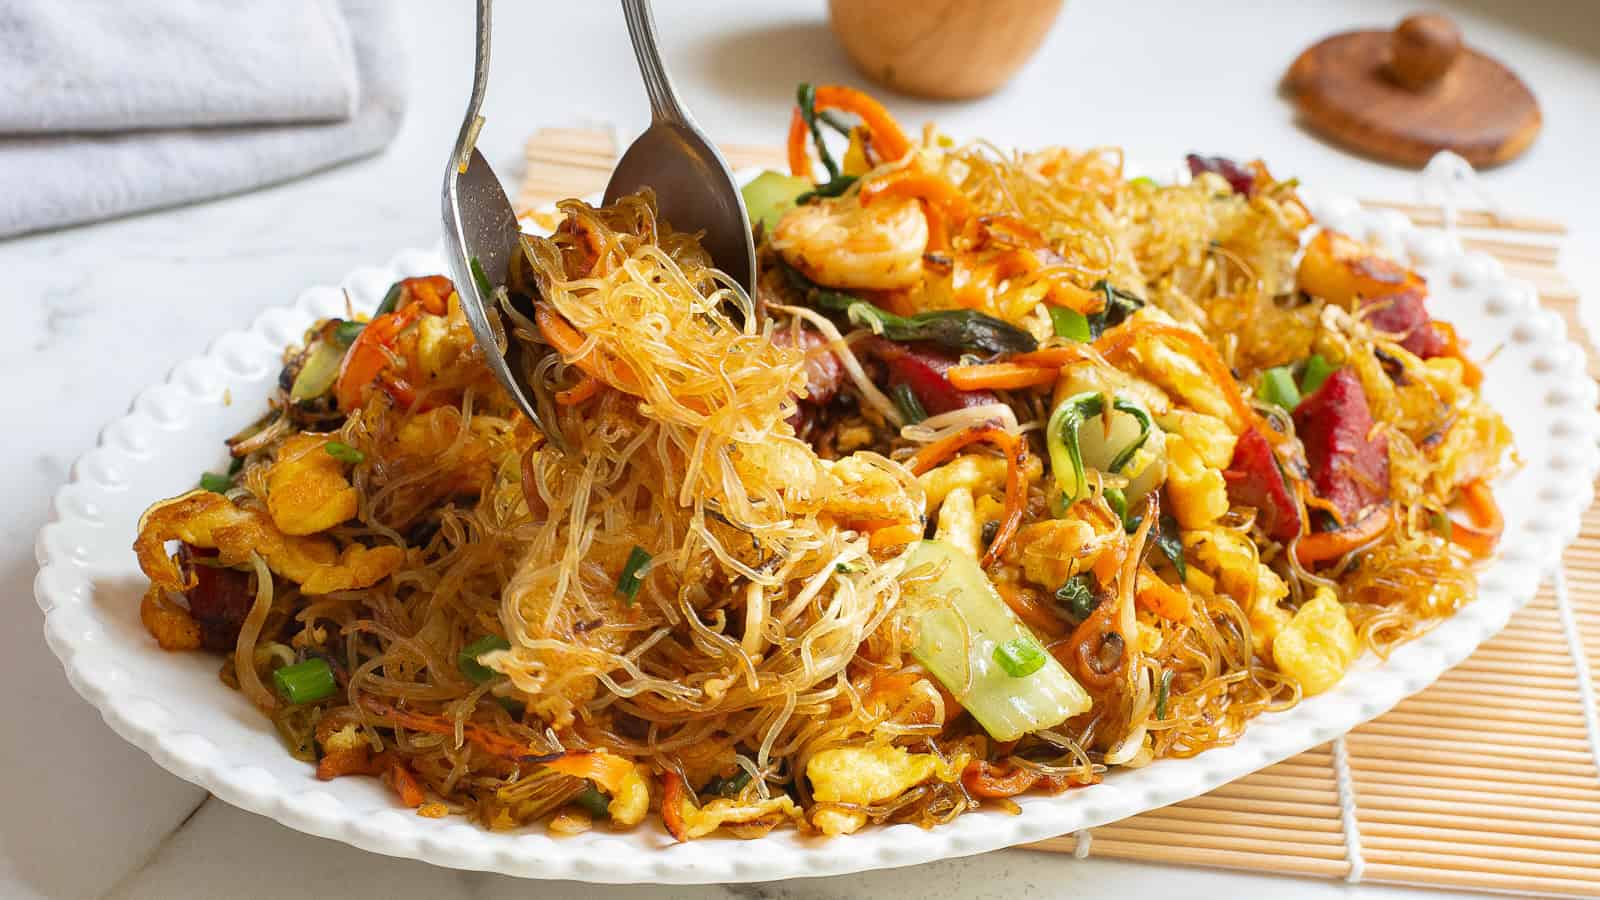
(695, 190)
(481, 238)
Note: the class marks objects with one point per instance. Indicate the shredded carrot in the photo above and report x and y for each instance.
(1052, 357)
(933, 188)
(350, 761)
(894, 536)
(1322, 546)
(1118, 343)
(491, 742)
(1163, 599)
(586, 387)
(569, 341)
(1487, 524)
(799, 159)
(1001, 376)
(889, 141)
(1016, 451)
(405, 784)
(431, 292)
(599, 766)
(938, 227)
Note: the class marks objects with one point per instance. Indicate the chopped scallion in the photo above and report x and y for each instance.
(345, 333)
(467, 659)
(628, 583)
(1278, 388)
(481, 279)
(1020, 657)
(305, 682)
(1143, 181)
(729, 786)
(344, 452)
(1162, 694)
(216, 484)
(1070, 324)
(1317, 370)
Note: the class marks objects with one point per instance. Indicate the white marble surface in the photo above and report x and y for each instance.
(98, 312)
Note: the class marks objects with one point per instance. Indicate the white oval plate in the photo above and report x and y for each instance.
(174, 707)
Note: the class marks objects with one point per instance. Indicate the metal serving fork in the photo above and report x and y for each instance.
(481, 238)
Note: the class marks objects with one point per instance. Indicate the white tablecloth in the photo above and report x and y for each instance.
(98, 312)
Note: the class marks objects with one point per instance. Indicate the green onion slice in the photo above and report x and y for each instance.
(305, 682)
(1020, 657)
(216, 484)
(628, 583)
(467, 659)
(906, 401)
(593, 801)
(1162, 693)
(346, 332)
(1070, 324)
(1278, 388)
(1317, 370)
(344, 452)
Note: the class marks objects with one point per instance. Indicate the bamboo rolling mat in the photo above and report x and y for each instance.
(1487, 780)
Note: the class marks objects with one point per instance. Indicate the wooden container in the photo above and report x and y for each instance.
(944, 49)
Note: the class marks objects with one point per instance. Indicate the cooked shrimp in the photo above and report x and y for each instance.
(842, 244)
(203, 519)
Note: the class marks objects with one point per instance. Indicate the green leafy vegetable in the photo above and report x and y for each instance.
(806, 96)
(1317, 370)
(1119, 305)
(905, 400)
(216, 484)
(594, 802)
(962, 623)
(1163, 693)
(1070, 324)
(1066, 452)
(1078, 597)
(391, 299)
(730, 786)
(831, 188)
(1020, 657)
(1170, 540)
(305, 682)
(628, 584)
(344, 452)
(769, 195)
(481, 279)
(957, 329)
(1278, 388)
(467, 659)
(345, 333)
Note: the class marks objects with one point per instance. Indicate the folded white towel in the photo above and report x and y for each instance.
(64, 178)
(112, 65)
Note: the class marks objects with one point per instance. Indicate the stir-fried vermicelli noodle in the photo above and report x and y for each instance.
(1015, 470)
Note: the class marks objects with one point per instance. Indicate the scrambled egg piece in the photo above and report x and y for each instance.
(866, 775)
(201, 518)
(307, 491)
(1238, 570)
(1049, 550)
(1180, 375)
(631, 801)
(1210, 437)
(958, 523)
(978, 474)
(699, 822)
(1199, 493)
(1318, 644)
(171, 625)
(861, 490)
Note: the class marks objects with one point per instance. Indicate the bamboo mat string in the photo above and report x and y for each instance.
(1347, 812)
(1580, 659)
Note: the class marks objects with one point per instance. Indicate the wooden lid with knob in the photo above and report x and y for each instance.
(1405, 95)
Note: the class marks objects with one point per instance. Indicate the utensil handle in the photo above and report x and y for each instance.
(468, 134)
(664, 105)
